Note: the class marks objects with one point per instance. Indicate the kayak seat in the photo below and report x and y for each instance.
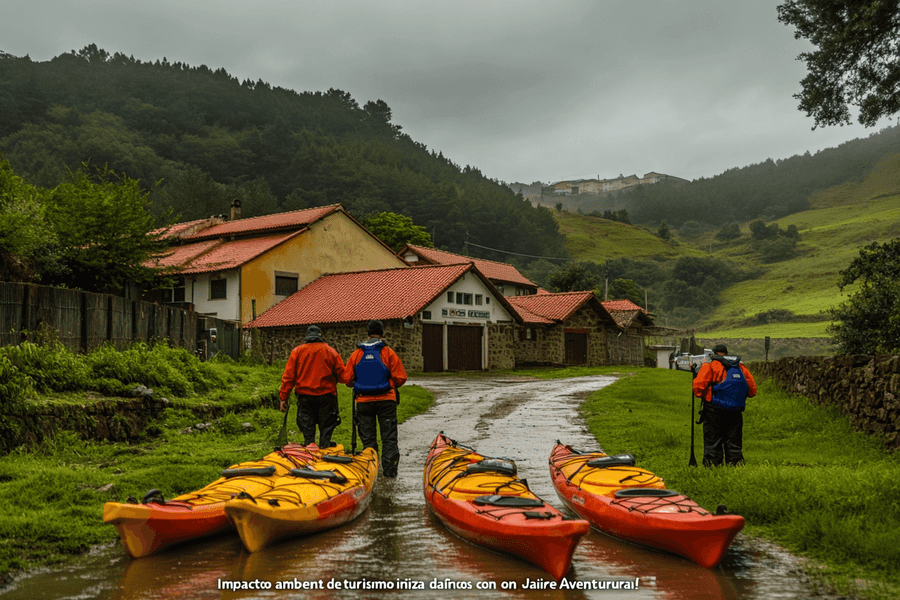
(493, 465)
(508, 501)
(645, 493)
(619, 460)
(248, 472)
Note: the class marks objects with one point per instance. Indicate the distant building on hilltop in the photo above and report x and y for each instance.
(562, 191)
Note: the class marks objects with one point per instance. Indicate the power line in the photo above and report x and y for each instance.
(517, 254)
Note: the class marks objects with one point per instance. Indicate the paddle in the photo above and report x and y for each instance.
(281, 440)
(693, 461)
(353, 426)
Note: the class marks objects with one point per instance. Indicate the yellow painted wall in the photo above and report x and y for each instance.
(336, 244)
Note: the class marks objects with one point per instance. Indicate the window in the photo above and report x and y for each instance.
(450, 297)
(500, 288)
(217, 289)
(426, 315)
(487, 299)
(478, 299)
(459, 297)
(285, 285)
(528, 334)
(467, 299)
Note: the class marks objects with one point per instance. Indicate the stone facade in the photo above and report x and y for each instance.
(275, 343)
(548, 343)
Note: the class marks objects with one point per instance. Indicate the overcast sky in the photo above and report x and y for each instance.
(524, 90)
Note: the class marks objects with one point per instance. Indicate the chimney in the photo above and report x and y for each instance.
(235, 209)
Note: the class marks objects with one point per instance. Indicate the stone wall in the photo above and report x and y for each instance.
(275, 344)
(550, 346)
(864, 388)
(754, 348)
(501, 345)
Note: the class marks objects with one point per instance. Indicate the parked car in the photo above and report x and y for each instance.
(686, 360)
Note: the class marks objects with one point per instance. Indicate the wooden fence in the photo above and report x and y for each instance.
(83, 321)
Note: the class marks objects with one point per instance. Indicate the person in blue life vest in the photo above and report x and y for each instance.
(723, 386)
(374, 371)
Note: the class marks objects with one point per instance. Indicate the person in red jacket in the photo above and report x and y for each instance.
(313, 371)
(723, 387)
(374, 371)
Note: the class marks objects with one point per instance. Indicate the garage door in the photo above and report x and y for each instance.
(433, 347)
(576, 348)
(464, 348)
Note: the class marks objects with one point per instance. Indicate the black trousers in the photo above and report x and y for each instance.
(723, 436)
(384, 412)
(318, 410)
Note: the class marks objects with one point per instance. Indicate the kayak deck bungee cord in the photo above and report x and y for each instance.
(330, 490)
(154, 523)
(633, 504)
(482, 501)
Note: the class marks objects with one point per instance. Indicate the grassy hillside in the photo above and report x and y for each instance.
(840, 221)
(596, 240)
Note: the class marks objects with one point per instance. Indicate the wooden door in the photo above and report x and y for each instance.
(463, 348)
(576, 348)
(432, 347)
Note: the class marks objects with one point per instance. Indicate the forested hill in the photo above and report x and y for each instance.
(768, 190)
(208, 138)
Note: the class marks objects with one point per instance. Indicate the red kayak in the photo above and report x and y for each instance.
(481, 500)
(633, 504)
(156, 523)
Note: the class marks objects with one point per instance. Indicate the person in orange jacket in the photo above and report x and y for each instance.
(723, 386)
(313, 371)
(374, 371)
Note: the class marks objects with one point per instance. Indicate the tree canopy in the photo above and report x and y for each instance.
(869, 321)
(856, 61)
(196, 138)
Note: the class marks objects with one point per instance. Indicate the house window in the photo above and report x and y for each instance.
(528, 334)
(487, 299)
(478, 299)
(500, 288)
(459, 297)
(450, 297)
(467, 299)
(217, 289)
(286, 283)
(426, 315)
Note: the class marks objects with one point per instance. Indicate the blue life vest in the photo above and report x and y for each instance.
(731, 392)
(372, 375)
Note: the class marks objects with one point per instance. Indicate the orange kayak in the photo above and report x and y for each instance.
(633, 504)
(330, 490)
(481, 500)
(154, 523)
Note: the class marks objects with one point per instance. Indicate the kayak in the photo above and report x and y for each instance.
(481, 500)
(154, 523)
(331, 490)
(634, 504)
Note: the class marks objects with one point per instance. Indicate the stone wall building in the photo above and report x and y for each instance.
(571, 328)
(437, 318)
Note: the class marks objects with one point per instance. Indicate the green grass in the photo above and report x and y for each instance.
(841, 220)
(51, 496)
(811, 483)
(597, 240)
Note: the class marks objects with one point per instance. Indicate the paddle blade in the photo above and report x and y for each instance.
(281, 440)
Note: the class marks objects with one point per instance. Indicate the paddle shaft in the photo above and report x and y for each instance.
(281, 440)
(693, 460)
(353, 426)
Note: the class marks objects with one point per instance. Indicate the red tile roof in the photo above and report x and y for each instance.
(216, 255)
(363, 295)
(625, 312)
(622, 305)
(495, 271)
(265, 224)
(555, 307)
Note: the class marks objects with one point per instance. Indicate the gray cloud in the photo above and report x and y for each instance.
(523, 90)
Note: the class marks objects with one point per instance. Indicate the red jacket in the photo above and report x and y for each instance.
(312, 369)
(390, 360)
(714, 372)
